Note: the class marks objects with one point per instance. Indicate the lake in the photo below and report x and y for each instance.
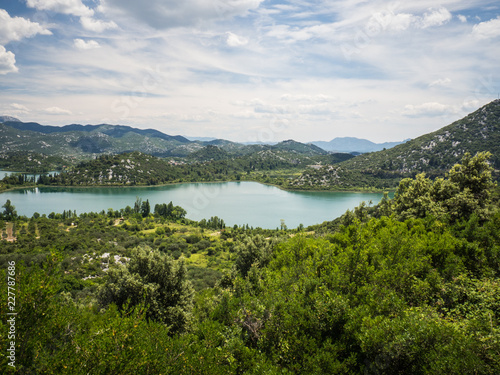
(251, 203)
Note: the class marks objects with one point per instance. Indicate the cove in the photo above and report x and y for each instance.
(241, 203)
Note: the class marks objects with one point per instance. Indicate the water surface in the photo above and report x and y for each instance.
(235, 202)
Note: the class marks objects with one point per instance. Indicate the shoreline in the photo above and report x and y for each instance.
(353, 190)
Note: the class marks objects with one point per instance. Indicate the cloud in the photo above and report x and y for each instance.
(98, 26)
(7, 61)
(398, 22)
(307, 98)
(440, 82)
(248, 114)
(488, 29)
(164, 14)
(84, 45)
(70, 7)
(431, 109)
(403, 21)
(436, 17)
(19, 108)
(462, 18)
(57, 111)
(17, 28)
(234, 40)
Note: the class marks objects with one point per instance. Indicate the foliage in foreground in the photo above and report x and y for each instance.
(391, 290)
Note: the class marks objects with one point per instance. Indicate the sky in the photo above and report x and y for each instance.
(251, 70)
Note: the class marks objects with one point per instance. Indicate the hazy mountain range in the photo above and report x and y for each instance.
(78, 140)
(352, 144)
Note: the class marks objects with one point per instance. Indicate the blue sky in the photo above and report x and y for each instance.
(250, 70)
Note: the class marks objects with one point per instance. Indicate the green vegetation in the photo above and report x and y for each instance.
(31, 162)
(410, 286)
(208, 165)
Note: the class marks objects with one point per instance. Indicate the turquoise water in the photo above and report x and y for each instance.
(235, 202)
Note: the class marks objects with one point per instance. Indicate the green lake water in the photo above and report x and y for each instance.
(235, 202)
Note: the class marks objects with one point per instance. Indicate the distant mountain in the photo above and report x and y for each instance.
(302, 148)
(81, 140)
(352, 144)
(115, 131)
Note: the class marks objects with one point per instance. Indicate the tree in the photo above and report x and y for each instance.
(145, 208)
(474, 174)
(10, 212)
(466, 191)
(155, 280)
(253, 251)
(137, 205)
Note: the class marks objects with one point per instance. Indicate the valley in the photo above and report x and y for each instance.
(127, 159)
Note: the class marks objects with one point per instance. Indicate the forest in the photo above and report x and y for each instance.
(276, 167)
(410, 286)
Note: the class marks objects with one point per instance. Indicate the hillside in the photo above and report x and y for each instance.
(208, 153)
(433, 153)
(81, 141)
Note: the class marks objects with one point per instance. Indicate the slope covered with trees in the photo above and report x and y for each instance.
(208, 164)
(433, 153)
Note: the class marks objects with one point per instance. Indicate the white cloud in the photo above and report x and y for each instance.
(164, 14)
(308, 98)
(19, 108)
(84, 45)
(462, 18)
(248, 114)
(440, 82)
(488, 29)
(98, 26)
(435, 18)
(57, 111)
(17, 28)
(7, 61)
(430, 109)
(72, 7)
(234, 40)
(194, 118)
(399, 22)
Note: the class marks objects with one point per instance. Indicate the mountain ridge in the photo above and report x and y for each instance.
(118, 131)
(82, 141)
(354, 144)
